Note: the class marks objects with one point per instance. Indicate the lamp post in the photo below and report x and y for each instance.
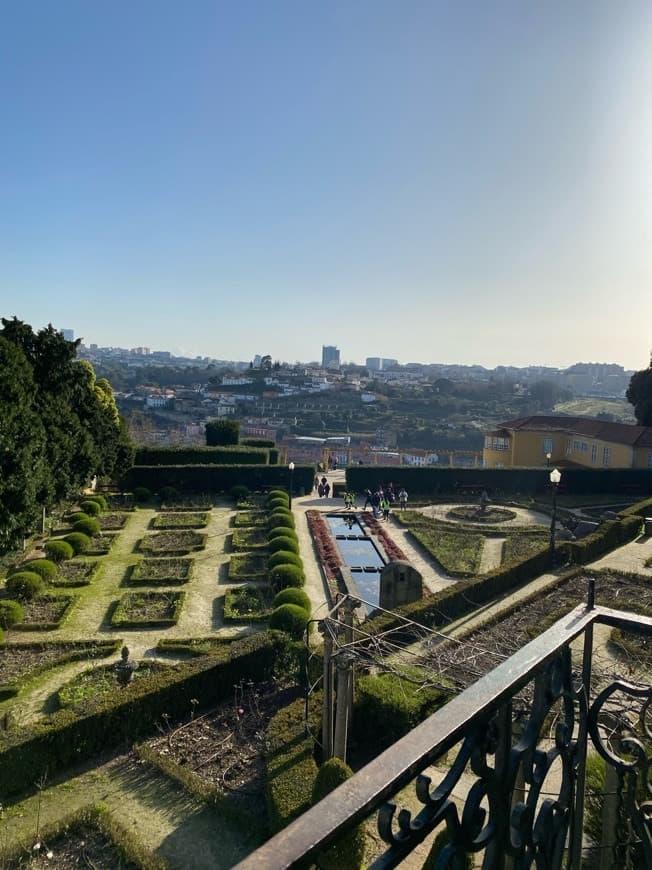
(291, 469)
(555, 477)
(548, 458)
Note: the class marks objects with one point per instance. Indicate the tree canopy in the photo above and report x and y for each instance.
(639, 394)
(59, 426)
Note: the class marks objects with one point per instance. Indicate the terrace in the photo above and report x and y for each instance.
(514, 746)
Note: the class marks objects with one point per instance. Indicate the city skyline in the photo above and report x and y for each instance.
(465, 183)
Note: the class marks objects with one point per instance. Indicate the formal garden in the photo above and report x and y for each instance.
(211, 717)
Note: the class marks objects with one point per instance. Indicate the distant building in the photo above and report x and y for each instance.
(68, 334)
(330, 357)
(580, 442)
(380, 364)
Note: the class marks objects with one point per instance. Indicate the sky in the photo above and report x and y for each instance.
(466, 181)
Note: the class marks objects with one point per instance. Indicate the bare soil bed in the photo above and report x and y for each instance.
(45, 611)
(460, 664)
(81, 846)
(21, 660)
(225, 747)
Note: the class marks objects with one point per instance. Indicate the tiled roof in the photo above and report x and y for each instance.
(617, 433)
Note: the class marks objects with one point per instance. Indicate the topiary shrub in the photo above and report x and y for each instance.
(169, 494)
(92, 508)
(78, 541)
(76, 516)
(25, 585)
(278, 502)
(89, 527)
(99, 499)
(284, 557)
(277, 521)
(239, 492)
(282, 576)
(280, 532)
(293, 596)
(291, 619)
(43, 567)
(11, 612)
(387, 707)
(348, 852)
(59, 550)
(278, 493)
(142, 494)
(283, 542)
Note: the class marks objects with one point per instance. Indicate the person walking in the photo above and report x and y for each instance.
(367, 499)
(403, 498)
(386, 507)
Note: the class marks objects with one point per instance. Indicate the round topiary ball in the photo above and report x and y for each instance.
(278, 493)
(239, 492)
(291, 619)
(277, 521)
(24, 585)
(11, 612)
(78, 515)
(280, 532)
(278, 502)
(78, 541)
(99, 499)
(43, 567)
(284, 557)
(89, 527)
(283, 542)
(92, 508)
(347, 853)
(142, 494)
(169, 494)
(59, 550)
(293, 596)
(282, 576)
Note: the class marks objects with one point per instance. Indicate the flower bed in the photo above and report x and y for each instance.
(471, 514)
(247, 604)
(393, 551)
(192, 503)
(250, 518)
(247, 566)
(172, 543)
(329, 555)
(89, 689)
(148, 609)
(151, 571)
(45, 613)
(74, 573)
(23, 661)
(100, 545)
(183, 520)
(120, 501)
(112, 522)
(249, 539)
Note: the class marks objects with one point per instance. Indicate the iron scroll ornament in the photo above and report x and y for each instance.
(506, 811)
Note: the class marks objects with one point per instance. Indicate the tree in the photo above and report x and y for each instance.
(639, 394)
(23, 468)
(220, 433)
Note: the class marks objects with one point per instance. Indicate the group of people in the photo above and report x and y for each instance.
(382, 500)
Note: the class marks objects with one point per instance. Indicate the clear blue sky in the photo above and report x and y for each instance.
(432, 181)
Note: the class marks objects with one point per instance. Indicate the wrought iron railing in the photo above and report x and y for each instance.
(521, 736)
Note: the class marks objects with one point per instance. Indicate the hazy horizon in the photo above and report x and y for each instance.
(464, 182)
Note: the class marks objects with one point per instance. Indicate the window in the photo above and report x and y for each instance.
(547, 446)
(594, 453)
(606, 455)
(500, 444)
(569, 446)
(487, 442)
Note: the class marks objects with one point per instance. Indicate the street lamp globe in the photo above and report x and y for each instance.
(555, 476)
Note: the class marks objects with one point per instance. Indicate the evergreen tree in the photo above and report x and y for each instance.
(639, 394)
(22, 446)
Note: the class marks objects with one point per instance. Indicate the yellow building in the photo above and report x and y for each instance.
(580, 442)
